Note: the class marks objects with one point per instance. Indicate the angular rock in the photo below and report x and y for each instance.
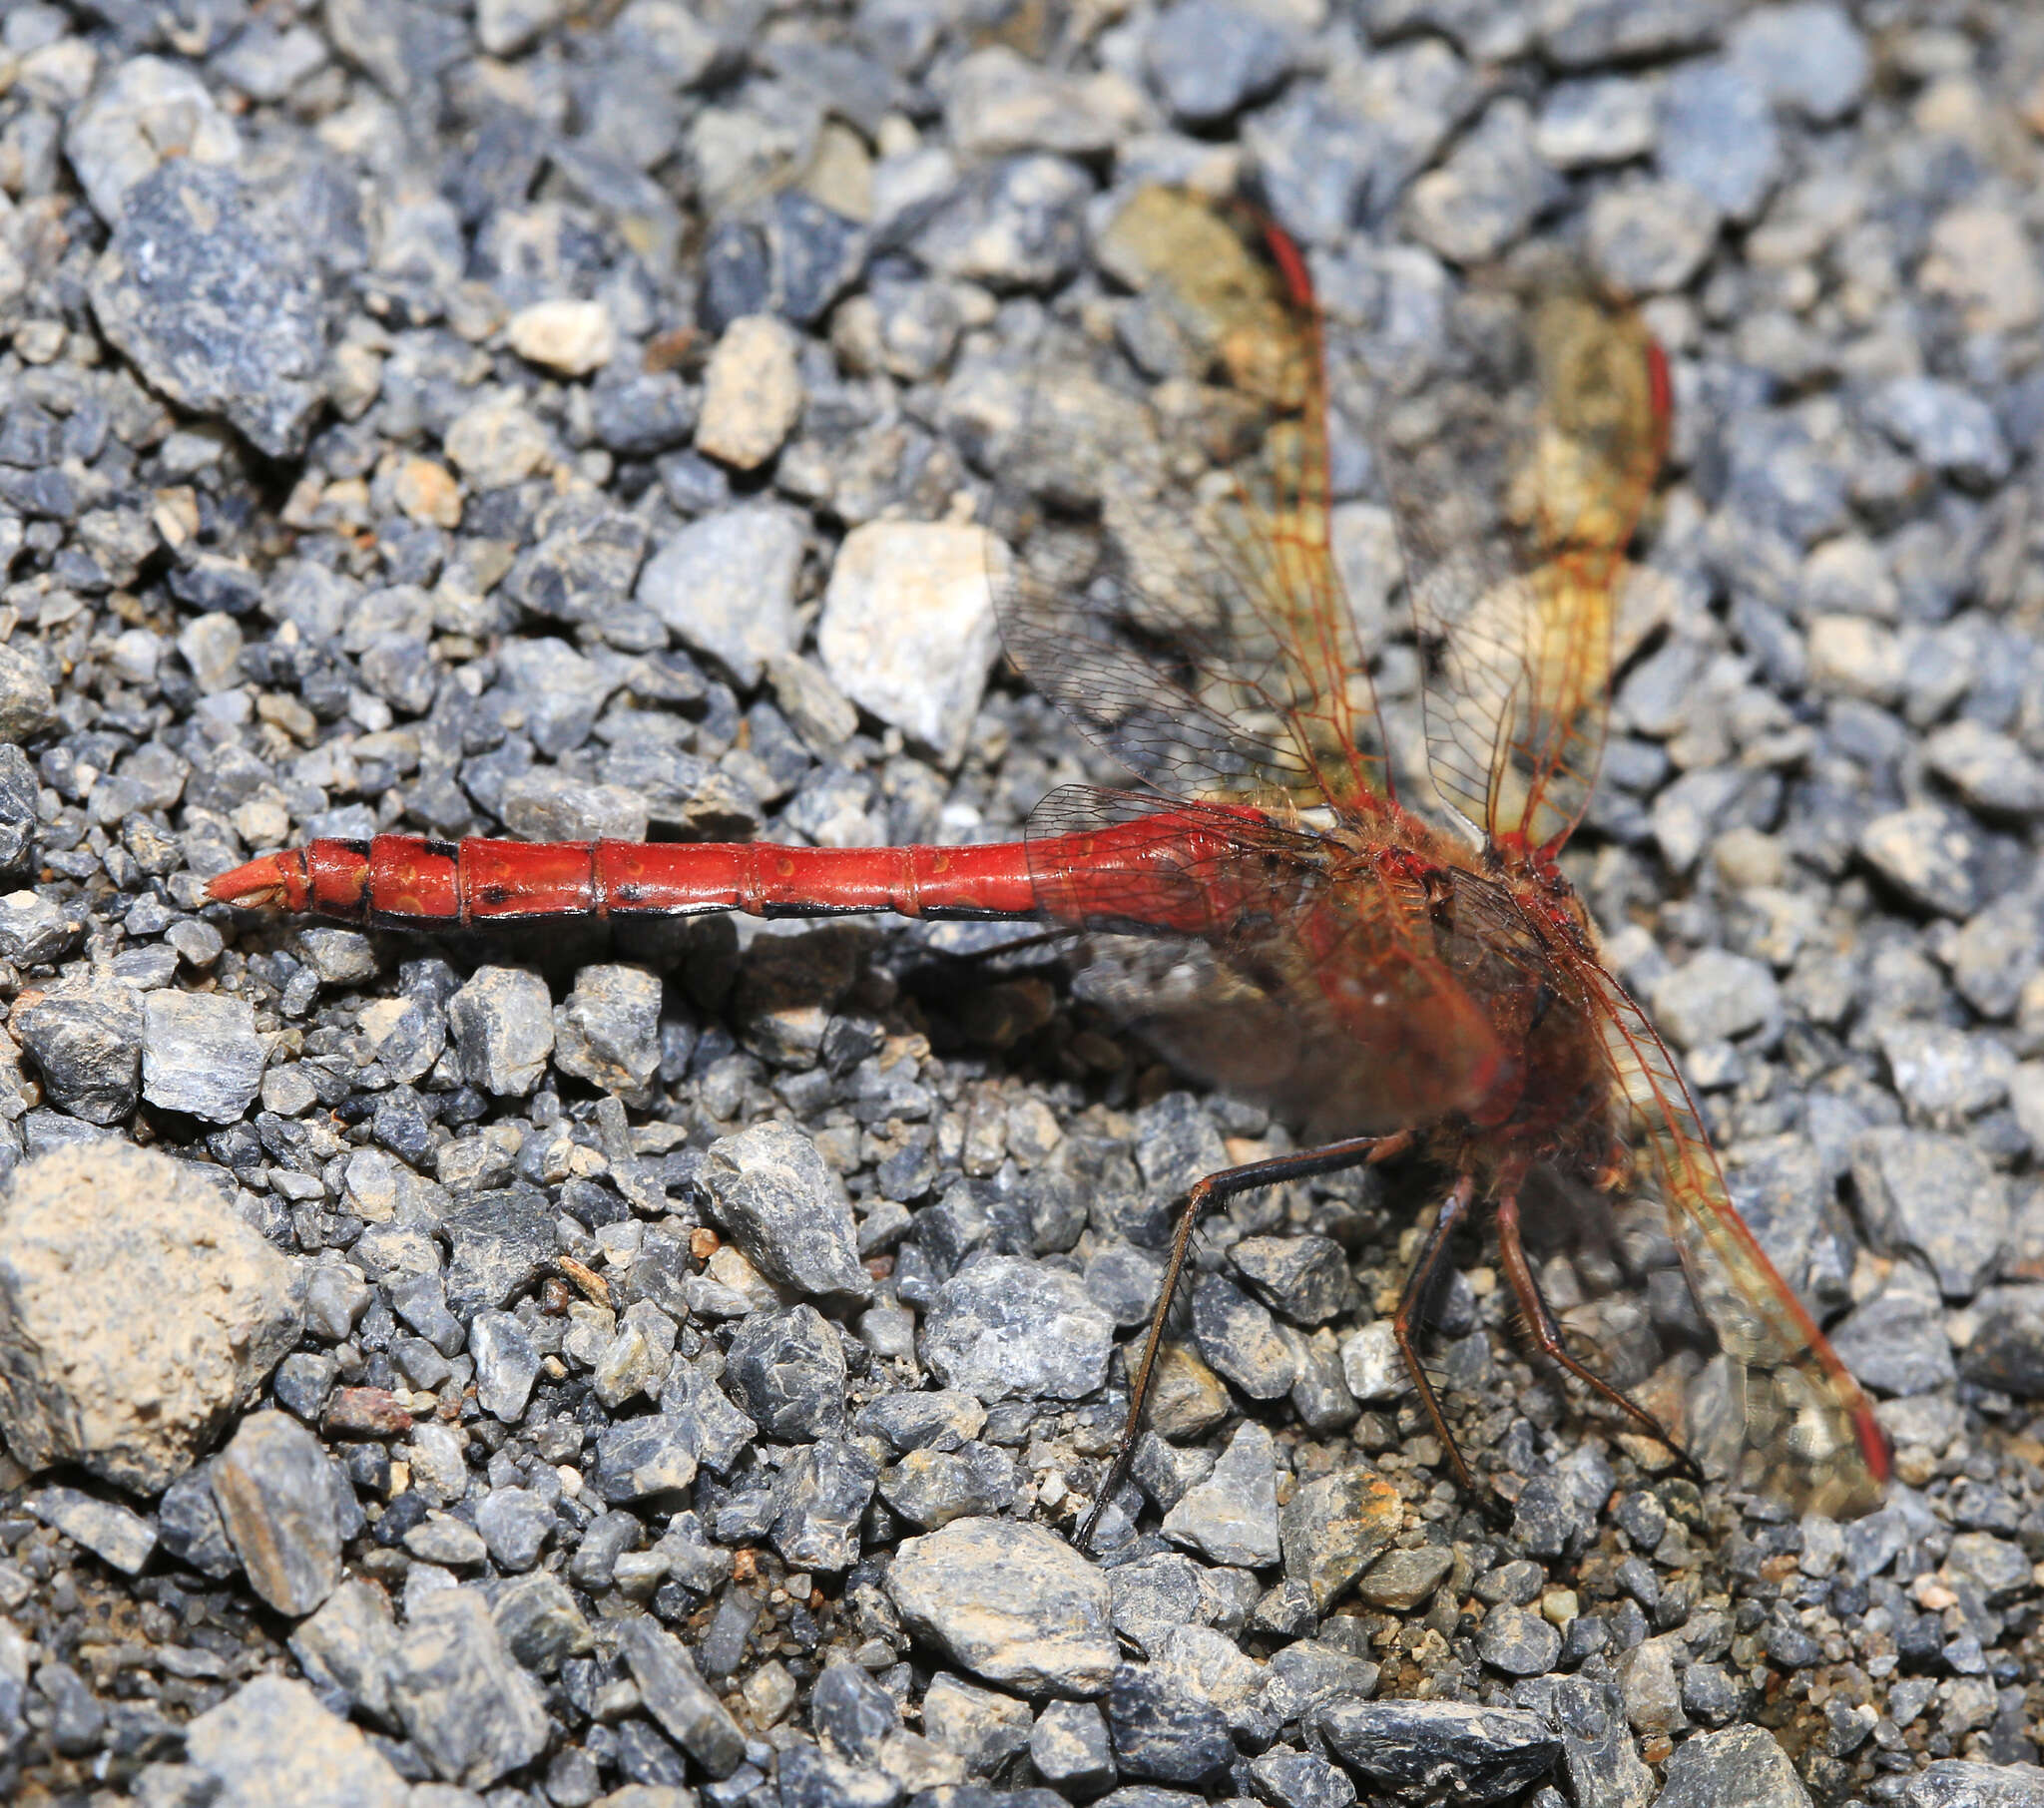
(725, 585)
(819, 1497)
(1334, 1527)
(1457, 1753)
(676, 1697)
(1744, 1764)
(85, 1037)
(465, 1703)
(272, 1742)
(105, 1528)
(201, 1053)
(908, 629)
(503, 1027)
(787, 1370)
(138, 1311)
(276, 1493)
(752, 392)
(216, 302)
(1005, 1327)
(1012, 1603)
(150, 109)
(1162, 1733)
(1232, 1517)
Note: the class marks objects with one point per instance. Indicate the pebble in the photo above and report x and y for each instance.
(507, 1364)
(1334, 1527)
(27, 703)
(495, 442)
(499, 1242)
(1894, 1341)
(1604, 120)
(586, 559)
(465, 1701)
(608, 1030)
(1013, 1603)
(1014, 224)
(1489, 191)
(1807, 55)
(787, 1369)
(345, 1650)
(1928, 856)
(277, 1493)
(1303, 1277)
(1232, 1517)
(907, 631)
(514, 1523)
(1714, 996)
(188, 1525)
(1741, 1764)
(201, 1053)
(1402, 1580)
(1162, 1733)
(139, 1309)
(272, 1740)
(544, 805)
(2007, 1347)
(1212, 59)
(105, 1528)
(1979, 259)
(1989, 769)
(931, 1488)
(1070, 1748)
(1008, 1328)
(1718, 137)
(35, 929)
(1241, 1340)
(675, 1695)
(771, 1192)
(539, 1622)
(725, 585)
(85, 1037)
(1649, 237)
(573, 338)
(1935, 1197)
(254, 350)
(1403, 1746)
(503, 1026)
(1518, 1641)
(1949, 428)
(752, 393)
(149, 110)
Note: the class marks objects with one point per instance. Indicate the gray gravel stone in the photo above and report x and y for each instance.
(726, 587)
(787, 1211)
(1934, 1198)
(138, 1312)
(27, 703)
(1210, 59)
(675, 1695)
(931, 1488)
(1305, 1278)
(1518, 1641)
(35, 929)
(1740, 1764)
(2007, 1347)
(277, 1493)
(1007, 1328)
(1012, 1603)
(188, 1525)
(273, 1741)
(1333, 1528)
(1928, 856)
(503, 1026)
(201, 1053)
(608, 1031)
(1718, 137)
(507, 1364)
(1489, 191)
(818, 1499)
(1162, 1733)
(465, 1701)
(1605, 120)
(345, 1650)
(105, 1528)
(1241, 1340)
(1232, 1517)
(499, 1242)
(1809, 55)
(787, 1370)
(1894, 1341)
(1472, 1754)
(150, 109)
(1649, 237)
(1070, 1748)
(216, 301)
(85, 1037)
(514, 1523)
(539, 1622)
(1945, 426)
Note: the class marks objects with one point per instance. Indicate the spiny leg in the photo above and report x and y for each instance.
(1418, 1284)
(1329, 1158)
(1547, 1336)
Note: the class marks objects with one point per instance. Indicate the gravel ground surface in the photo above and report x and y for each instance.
(669, 1369)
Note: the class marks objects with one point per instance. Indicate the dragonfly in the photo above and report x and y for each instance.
(1395, 961)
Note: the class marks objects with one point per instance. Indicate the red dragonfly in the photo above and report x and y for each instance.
(1396, 975)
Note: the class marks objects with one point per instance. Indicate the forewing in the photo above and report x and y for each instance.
(1173, 585)
(1791, 1421)
(1268, 961)
(1517, 483)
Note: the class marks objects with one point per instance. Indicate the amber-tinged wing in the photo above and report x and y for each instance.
(1778, 1411)
(1517, 481)
(1166, 499)
(1268, 959)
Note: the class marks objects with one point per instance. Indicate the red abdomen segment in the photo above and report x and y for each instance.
(1126, 872)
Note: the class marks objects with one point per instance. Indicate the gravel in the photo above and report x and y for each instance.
(668, 1361)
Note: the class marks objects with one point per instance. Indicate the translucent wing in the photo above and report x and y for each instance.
(1271, 963)
(1173, 585)
(1517, 481)
(1793, 1423)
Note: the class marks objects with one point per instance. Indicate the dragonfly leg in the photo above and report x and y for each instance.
(1328, 1157)
(1418, 1284)
(1547, 1335)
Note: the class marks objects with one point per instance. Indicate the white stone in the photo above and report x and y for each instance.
(908, 629)
(150, 109)
(495, 442)
(752, 392)
(572, 337)
(273, 1742)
